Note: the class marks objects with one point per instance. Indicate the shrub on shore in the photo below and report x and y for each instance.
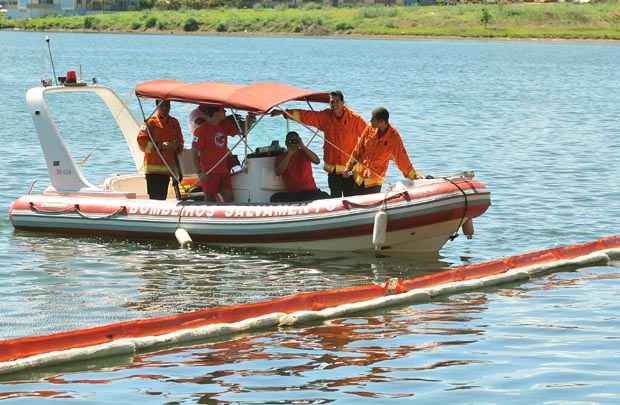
(150, 22)
(3, 22)
(191, 24)
(89, 22)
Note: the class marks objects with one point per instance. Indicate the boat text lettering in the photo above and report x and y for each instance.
(258, 211)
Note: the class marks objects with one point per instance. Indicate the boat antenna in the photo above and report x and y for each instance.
(49, 48)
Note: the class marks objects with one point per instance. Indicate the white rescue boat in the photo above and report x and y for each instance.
(407, 217)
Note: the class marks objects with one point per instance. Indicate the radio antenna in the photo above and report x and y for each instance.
(49, 48)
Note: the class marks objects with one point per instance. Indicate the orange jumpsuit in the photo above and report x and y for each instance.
(370, 158)
(341, 134)
(162, 130)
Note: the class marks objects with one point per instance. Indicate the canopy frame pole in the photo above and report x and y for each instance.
(256, 123)
(244, 132)
(223, 157)
(316, 132)
(175, 178)
(247, 132)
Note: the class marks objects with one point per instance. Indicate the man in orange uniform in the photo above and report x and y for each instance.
(296, 171)
(210, 152)
(379, 143)
(342, 128)
(165, 131)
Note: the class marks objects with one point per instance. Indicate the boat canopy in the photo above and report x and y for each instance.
(257, 97)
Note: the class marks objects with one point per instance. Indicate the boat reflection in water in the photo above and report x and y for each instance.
(127, 279)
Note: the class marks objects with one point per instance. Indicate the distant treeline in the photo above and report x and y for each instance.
(204, 4)
(281, 4)
(558, 20)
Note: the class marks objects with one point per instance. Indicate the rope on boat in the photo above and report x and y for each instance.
(75, 208)
(121, 210)
(456, 231)
(65, 210)
(350, 204)
(134, 336)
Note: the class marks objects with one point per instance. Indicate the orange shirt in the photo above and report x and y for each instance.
(341, 134)
(372, 154)
(162, 130)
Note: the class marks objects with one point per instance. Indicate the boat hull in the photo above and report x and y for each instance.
(421, 218)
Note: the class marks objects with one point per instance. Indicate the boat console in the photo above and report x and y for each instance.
(257, 180)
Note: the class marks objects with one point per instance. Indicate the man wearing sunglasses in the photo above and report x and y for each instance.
(296, 170)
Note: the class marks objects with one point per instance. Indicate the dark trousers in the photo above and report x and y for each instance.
(361, 190)
(294, 196)
(339, 185)
(157, 186)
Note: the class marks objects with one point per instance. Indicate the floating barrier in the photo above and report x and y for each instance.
(134, 336)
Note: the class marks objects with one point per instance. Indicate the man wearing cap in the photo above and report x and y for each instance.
(342, 128)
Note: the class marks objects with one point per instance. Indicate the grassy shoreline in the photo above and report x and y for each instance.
(524, 20)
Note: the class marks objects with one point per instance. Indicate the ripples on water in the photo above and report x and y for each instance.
(116, 280)
(537, 121)
(495, 346)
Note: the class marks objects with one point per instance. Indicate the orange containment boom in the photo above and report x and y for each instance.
(134, 336)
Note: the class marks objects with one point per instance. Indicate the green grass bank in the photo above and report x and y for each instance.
(522, 20)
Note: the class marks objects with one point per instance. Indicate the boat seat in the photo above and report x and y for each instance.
(130, 183)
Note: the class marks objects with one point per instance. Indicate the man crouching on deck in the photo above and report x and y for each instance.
(210, 151)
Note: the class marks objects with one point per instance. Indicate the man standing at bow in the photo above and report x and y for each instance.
(160, 138)
(342, 128)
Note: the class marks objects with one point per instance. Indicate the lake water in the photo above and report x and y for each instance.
(538, 121)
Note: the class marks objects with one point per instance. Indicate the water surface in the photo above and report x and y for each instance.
(537, 121)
